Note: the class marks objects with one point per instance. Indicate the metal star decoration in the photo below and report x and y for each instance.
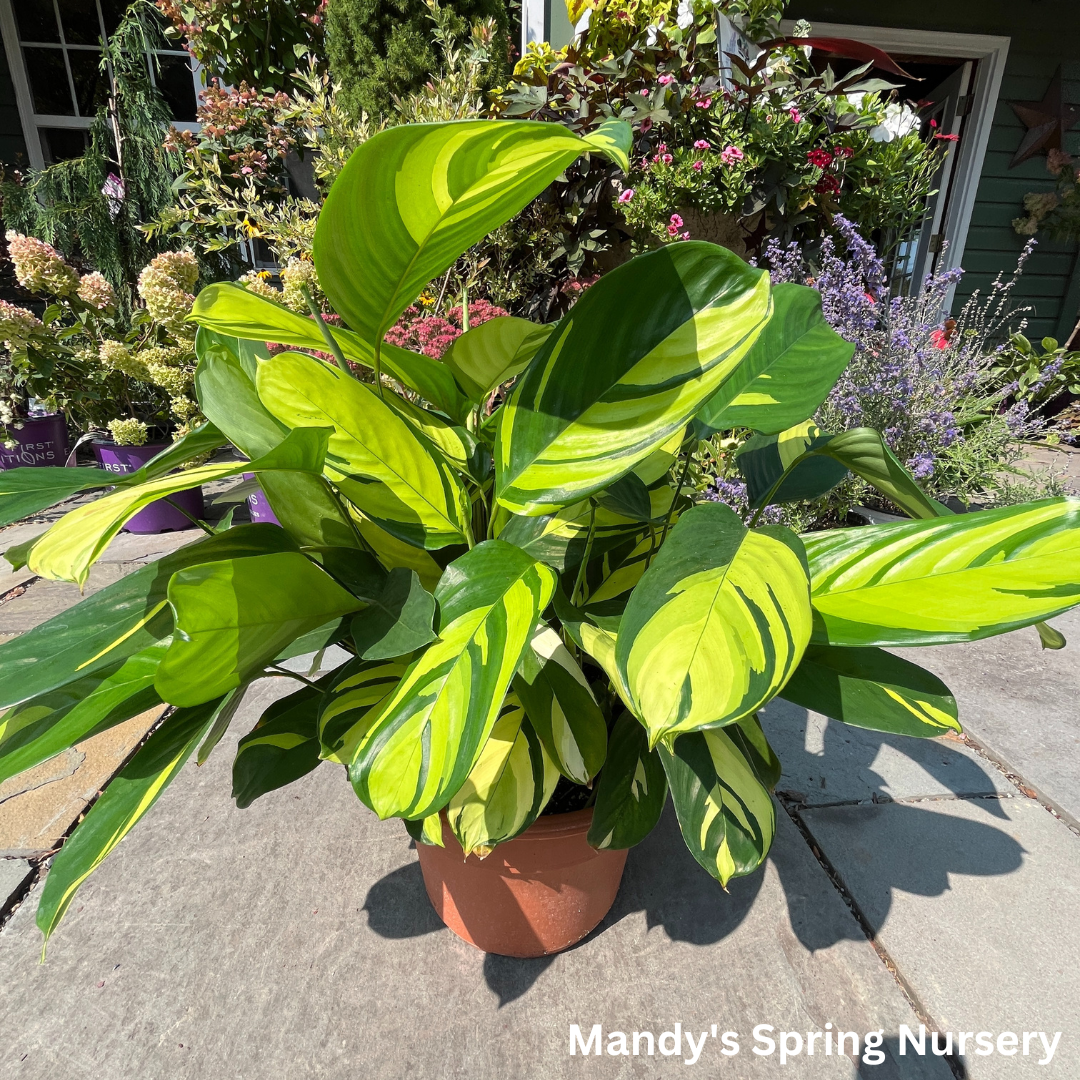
(1046, 122)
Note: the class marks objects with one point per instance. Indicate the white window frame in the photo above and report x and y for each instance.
(991, 53)
(32, 121)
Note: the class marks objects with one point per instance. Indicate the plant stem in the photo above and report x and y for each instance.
(202, 524)
(675, 497)
(293, 675)
(331, 341)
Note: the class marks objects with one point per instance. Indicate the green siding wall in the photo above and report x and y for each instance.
(1044, 33)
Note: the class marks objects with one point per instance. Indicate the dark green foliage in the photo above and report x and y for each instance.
(382, 49)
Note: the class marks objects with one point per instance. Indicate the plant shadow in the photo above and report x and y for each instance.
(663, 881)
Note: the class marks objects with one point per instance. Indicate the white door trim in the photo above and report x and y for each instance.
(993, 52)
(25, 103)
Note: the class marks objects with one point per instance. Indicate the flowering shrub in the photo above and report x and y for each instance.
(258, 42)
(128, 432)
(432, 334)
(85, 359)
(928, 382)
(1055, 212)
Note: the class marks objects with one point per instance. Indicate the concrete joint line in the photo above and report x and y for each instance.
(955, 1065)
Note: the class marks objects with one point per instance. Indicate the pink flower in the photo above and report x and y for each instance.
(672, 231)
(939, 339)
(702, 144)
(697, 166)
(730, 154)
(644, 93)
(666, 159)
(796, 116)
(627, 195)
(947, 138)
(676, 221)
(666, 80)
(704, 103)
(685, 236)
(246, 170)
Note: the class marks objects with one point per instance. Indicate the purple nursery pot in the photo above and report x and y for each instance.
(258, 505)
(42, 440)
(160, 516)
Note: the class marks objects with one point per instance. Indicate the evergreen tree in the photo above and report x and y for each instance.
(382, 49)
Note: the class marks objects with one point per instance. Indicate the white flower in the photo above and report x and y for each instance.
(685, 16)
(583, 23)
(650, 35)
(900, 120)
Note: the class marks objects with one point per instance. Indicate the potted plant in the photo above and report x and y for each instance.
(536, 614)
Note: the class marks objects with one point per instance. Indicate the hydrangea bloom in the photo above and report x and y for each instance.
(96, 291)
(128, 432)
(17, 325)
(296, 275)
(165, 286)
(39, 267)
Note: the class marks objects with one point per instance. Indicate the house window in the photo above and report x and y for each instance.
(54, 53)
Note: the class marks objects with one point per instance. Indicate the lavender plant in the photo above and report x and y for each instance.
(928, 382)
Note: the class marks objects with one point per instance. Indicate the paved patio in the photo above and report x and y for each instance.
(911, 881)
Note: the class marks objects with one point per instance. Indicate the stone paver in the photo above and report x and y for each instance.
(294, 939)
(38, 806)
(826, 762)
(1022, 702)
(13, 875)
(981, 915)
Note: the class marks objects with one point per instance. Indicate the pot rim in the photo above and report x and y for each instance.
(555, 826)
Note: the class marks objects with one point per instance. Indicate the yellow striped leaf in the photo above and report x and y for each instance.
(493, 352)
(560, 705)
(123, 803)
(624, 371)
(873, 689)
(377, 459)
(726, 815)
(511, 782)
(413, 198)
(68, 550)
(281, 747)
(425, 739)
(716, 625)
(946, 579)
(352, 703)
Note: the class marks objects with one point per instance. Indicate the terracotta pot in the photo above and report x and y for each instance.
(537, 894)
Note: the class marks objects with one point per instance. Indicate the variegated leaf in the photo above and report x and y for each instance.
(68, 550)
(494, 352)
(511, 782)
(415, 197)
(726, 815)
(282, 746)
(632, 789)
(377, 459)
(873, 689)
(352, 702)
(561, 708)
(624, 371)
(716, 625)
(424, 740)
(948, 579)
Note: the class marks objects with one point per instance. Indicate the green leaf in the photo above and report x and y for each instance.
(624, 371)
(375, 457)
(764, 459)
(494, 352)
(1049, 637)
(716, 625)
(458, 445)
(628, 497)
(871, 688)
(359, 689)
(234, 616)
(749, 737)
(398, 621)
(122, 804)
(632, 790)
(592, 638)
(230, 309)
(202, 440)
(561, 708)
(413, 198)
(68, 550)
(392, 552)
(511, 782)
(787, 373)
(282, 746)
(118, 621)
(427, 830)
(425, 739)
(26, 491)
(725, 813)
(48, 724)
(945, 580)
